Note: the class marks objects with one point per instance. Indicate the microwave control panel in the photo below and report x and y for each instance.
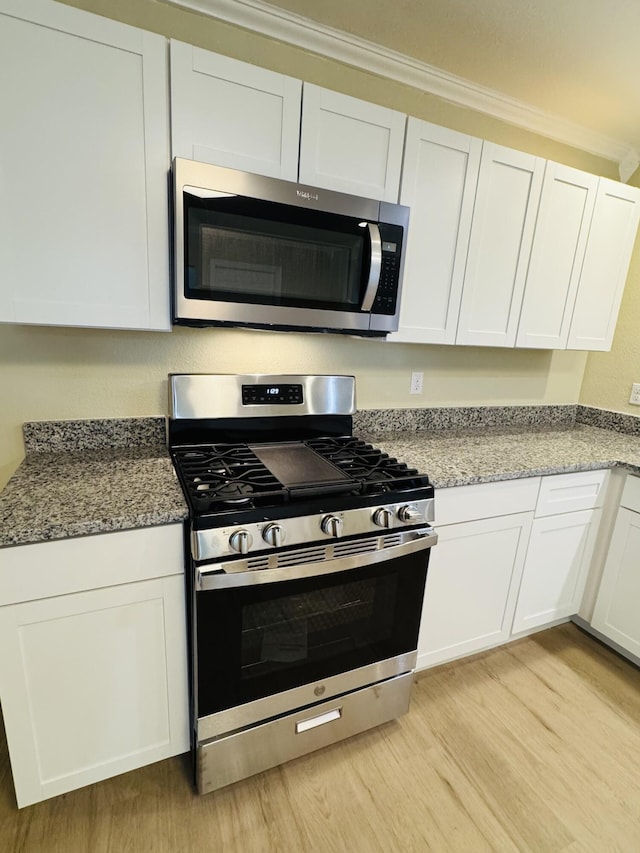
(387, 295)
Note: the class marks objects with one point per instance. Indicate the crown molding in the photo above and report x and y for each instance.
(276, 23)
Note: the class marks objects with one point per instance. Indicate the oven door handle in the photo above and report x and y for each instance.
(217, 577)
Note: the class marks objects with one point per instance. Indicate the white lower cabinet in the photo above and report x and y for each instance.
(474, 570)
(617, 610)
(563, 537)
(472, 586)
(521, 567)
(556, 569)
(93, 682)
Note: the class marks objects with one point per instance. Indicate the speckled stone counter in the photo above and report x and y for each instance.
(116, 475)
(97, 481)
(465, 456)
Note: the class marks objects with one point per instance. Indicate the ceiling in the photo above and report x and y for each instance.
(577, 60)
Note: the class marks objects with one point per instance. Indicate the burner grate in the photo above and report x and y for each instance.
(220, 477)
(223, 476)
(376, 471)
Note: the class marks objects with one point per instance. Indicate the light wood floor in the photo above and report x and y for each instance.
(534, 746)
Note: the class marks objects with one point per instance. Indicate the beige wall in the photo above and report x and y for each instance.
(49, 373)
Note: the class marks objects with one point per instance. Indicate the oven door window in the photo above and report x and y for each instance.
(263, 253)
(260, 640)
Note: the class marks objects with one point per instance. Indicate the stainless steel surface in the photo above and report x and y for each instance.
(332, 526)
(411, 514)
(202, 176)
(232, 744)
(273, 534)
(284, 702)
(239, 755)
(219, 395)
(241, 541)
(319, 720)
(383, 518)
(204, 179)
(245, 314)
(375, 267)
(314, 561)
(213, 544)
(395, 214)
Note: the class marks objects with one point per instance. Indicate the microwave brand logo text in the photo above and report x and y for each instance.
(307, 195)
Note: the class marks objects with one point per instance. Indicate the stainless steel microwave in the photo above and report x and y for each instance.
(265, 253)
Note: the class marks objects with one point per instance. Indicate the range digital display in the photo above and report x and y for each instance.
(270, 395)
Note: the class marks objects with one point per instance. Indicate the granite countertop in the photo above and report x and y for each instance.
(82, 487)
(465, 456)
(59, 495)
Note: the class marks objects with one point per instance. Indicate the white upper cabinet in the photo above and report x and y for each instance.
(606, 263)
(439, 181)
(233, 114)
(83, 170)
(350, 145)
(509, 186)
(559, 242)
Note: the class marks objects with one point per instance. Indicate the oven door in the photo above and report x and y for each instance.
(309, 632)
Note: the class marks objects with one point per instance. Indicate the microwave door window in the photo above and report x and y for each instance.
(237, 258)
(230, 264)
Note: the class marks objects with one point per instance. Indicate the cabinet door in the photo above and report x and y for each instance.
(439, 179)
(472, 584)
(559, 241)
(93, 684)
(556, 568)
(83, 170)
(606, 263)
(501, 233)
(617, 610)
(233, 114)
(350, 145)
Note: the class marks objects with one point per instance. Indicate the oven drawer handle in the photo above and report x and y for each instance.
(320, 720)
(214, 577)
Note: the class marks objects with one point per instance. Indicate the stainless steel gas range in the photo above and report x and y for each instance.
(307, 553)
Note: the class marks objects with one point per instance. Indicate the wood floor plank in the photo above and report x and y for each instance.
(534, 746)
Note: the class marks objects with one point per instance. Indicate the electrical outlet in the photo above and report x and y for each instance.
(635, 394)
(416, 382)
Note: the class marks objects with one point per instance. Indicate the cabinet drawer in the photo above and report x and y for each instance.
(47, 569)
(571, 492)
(485, 500)
(631, 494)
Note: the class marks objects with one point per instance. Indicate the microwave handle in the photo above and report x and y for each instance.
(374, 268)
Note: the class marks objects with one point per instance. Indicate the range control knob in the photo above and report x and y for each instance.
(241, 541)
(331, 525)
(273, 534)
(410, 515)
(383, 517)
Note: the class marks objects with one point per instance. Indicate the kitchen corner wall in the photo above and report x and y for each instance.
(51, 373)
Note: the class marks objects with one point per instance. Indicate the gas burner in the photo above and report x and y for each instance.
(235, 492)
